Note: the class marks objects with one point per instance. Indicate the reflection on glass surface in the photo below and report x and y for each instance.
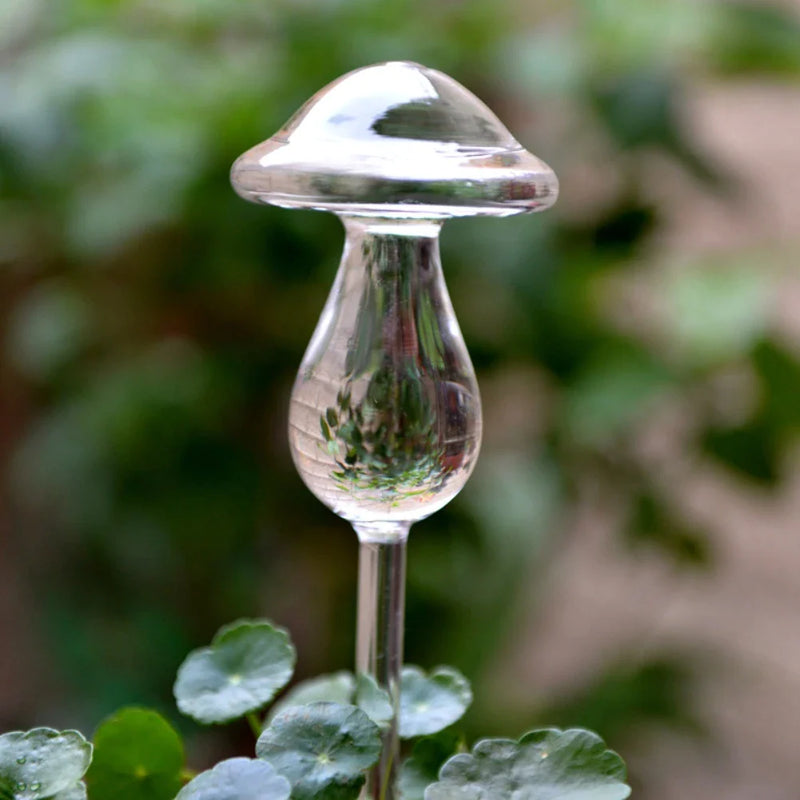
(385, 414)
(400, 139)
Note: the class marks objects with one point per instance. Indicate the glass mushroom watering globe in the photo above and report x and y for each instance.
(385, 415)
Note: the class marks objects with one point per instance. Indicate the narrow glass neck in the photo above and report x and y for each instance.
(395, 267)
(377, 227)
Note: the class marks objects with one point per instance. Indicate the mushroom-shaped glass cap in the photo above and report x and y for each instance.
(396, 139)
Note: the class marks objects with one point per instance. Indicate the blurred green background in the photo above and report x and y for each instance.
(634, 347)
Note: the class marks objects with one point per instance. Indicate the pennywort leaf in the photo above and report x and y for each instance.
(429, 703)
(245, 666)
(76, 792)
(137, 756)
(322, 748)
(338, 687)
(374, 701)
(238, 779)
(546, 764)
(41, 763)
(422, 768)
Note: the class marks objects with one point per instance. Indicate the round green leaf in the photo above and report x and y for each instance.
(545, 764)
(374, 701)
(323, 749)
(137, 756)
(429, 703)
(76, 792)
(336, 688)
(422, 768)
(42, 762)
(238, 779)
(245, 666)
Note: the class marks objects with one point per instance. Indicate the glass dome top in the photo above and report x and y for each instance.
(396, 139)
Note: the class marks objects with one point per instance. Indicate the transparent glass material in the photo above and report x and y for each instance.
(397, 139)
(385, 415)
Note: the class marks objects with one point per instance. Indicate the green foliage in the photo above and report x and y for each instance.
(758, 37)
(238, 779)
(543, 764)
(717, 312)
(755, 447)
(137, 756)
(323, 749)
(651, 523)
(77, 792)
(337, 688)
(374, 701)
(372, 452)
(749, 449)
(243, 669)
(610, 393)
(626, 697)
(430, 703)
(43, 763)
(310, 750)
(421, 768)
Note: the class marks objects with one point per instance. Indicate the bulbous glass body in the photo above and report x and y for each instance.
(385, 415)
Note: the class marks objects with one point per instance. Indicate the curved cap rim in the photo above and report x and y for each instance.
(396, 137)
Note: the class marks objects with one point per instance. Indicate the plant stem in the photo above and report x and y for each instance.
(256, 725)
(379, 647)
(187, 774)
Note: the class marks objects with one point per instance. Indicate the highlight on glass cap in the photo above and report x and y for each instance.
(396, 139)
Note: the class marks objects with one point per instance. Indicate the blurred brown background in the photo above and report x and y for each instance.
(625, 556)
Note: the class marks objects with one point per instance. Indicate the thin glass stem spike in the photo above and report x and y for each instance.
(379, 644)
